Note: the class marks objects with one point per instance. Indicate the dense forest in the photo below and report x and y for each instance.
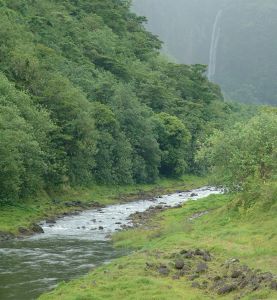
(244, 35)
(101, 133)
(86, 97)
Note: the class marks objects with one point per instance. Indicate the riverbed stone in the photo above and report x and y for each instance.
(23, 230)
(50, 221)
(36, 228)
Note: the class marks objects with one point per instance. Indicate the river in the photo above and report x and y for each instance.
(72, 246)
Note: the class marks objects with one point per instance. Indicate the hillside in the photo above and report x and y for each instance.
(125, 175)
(235, 36)
(86, 97)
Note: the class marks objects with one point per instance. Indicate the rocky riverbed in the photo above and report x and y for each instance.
(72, 245)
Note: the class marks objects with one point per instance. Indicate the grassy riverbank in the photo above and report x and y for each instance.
(226, 232)
(20, 216)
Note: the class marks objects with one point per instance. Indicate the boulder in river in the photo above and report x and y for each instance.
(36, 228)
(50, 221)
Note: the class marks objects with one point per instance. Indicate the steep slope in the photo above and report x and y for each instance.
(117, 112)
(236, 38)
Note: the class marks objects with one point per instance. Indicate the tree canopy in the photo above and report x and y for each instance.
(86, 97)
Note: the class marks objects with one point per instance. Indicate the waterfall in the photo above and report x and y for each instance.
(214, 46)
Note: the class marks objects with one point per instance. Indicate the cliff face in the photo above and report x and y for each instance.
(240, 43)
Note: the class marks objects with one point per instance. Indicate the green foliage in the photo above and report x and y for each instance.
(100, 103)
(174, 138)
(244, 153)
(24, 143)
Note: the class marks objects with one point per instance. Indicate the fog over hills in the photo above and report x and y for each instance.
(236, 38)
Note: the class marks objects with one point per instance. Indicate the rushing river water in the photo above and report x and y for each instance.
(71, 247)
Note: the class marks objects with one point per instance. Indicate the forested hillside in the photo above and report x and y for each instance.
(86, 97)
(237, 36)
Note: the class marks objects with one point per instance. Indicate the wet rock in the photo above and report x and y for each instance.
(193, 195)
(74, 204)
(100, 227)
(96, 204)
(37, 229)
(159, 207)
(179, 264)
(50, 221)
(201, 268)
(226, 289)
(163, 270)
(4, 236)
(118, 223)
(83, 227)
(93, 220)
(23, 230)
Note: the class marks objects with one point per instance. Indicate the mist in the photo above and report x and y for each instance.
(237, 39)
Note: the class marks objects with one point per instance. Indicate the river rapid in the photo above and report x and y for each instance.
(72, 246)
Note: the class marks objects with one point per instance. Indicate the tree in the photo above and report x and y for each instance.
(246, 152)
(173, 138)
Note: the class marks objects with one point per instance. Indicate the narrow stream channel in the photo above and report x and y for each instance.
(71, 247)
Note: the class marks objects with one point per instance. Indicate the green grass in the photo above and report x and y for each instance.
(25, 212)
(227, 233)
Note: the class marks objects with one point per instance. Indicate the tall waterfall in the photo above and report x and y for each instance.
(214, 46)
